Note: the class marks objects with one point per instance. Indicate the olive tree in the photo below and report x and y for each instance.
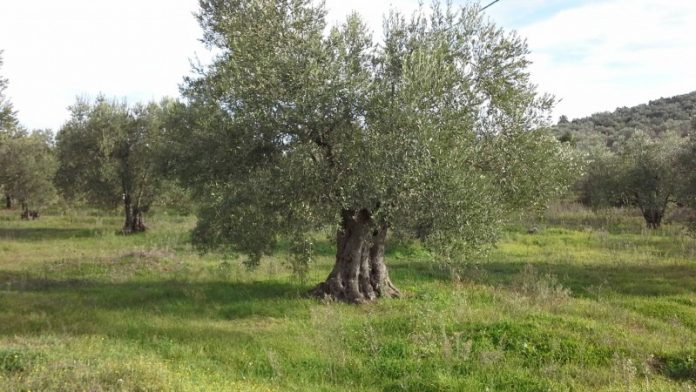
(642, 172)
(9, 126)
(27, 165)
(687, 175)
(292, 129)
(106, 156)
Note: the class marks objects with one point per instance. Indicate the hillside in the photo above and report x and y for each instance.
(676, 113)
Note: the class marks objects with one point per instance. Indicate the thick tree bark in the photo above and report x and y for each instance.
(653, 217)
(134, 217)
(653, 209)
(26, 214)
(359, 274)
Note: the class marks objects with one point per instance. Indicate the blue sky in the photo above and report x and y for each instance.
(594, 55)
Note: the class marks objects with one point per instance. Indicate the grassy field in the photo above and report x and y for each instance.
(587, 303)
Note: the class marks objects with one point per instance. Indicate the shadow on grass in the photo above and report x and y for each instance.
(418, 271)
(78, 304)
(586, 281)
(583, 281)
(31, 304)
(30, 234)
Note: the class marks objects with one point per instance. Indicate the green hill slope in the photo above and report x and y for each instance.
(676, 114)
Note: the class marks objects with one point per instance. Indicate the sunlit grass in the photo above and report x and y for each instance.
(579, 305)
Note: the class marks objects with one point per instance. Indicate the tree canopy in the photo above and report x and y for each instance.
(8, 116)
(292, 129)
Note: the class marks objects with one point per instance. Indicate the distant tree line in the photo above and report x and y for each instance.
(656, 119)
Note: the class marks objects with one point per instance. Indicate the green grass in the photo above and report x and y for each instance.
(584, 304)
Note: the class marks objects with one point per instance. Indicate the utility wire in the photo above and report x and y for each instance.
(493, 2)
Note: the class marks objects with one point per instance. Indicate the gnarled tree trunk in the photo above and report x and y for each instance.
(653, 210)
(359, 274)
(653, 217)
(134, 217)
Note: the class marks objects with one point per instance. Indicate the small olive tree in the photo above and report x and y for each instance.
(643, 172)
(106, 155)
(687, 175)
(27, 166)
(8, 116)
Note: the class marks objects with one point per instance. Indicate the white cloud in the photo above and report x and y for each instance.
(595, 56)
(56, 50)
(615, 53)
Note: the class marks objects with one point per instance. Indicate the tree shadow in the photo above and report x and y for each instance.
(583, 280)
(418, 271)
(586, 280)
(76, 306)
(31, 234)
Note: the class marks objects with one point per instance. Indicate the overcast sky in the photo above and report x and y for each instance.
(594, 55)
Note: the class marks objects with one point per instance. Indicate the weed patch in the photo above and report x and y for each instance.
(15, 360)
(679, 366)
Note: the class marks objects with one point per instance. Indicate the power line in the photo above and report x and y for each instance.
(493, 2)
